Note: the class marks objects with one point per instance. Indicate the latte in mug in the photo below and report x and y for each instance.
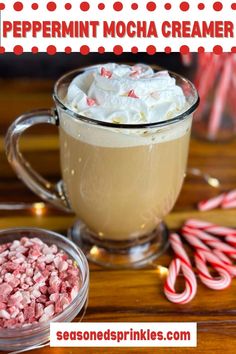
(121, 181)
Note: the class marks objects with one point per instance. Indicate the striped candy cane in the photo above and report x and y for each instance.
(180, 262)
(196, 237)
(211, 203)
(222, 90)
(231, 239)
(229, 205)
(230, 196)
(229, 265)
(201, 259)
(195, 242)
(223, 200)
(210, 227)
(211, 241)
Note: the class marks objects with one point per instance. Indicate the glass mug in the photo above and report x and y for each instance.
(120, 180)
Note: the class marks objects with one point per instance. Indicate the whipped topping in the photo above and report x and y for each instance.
(125, 94)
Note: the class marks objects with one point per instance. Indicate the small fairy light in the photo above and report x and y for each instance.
(213, 182)
(39, 209)
(94, 251)
(160, 270)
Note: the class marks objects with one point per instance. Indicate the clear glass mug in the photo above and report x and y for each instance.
(120, 180)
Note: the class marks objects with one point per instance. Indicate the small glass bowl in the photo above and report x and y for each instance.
(38, 333)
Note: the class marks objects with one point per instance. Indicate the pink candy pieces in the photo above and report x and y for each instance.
(91, 102)
(132, 94)
(5, 290)
(136, 71)
(106, 73)
(36, 282)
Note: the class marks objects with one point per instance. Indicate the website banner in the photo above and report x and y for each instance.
(142, 334)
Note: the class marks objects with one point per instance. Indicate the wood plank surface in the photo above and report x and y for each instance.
(130, 295)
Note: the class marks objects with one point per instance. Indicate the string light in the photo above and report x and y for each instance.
(39, 209)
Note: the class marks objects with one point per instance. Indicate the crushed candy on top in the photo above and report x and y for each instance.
(104, 93)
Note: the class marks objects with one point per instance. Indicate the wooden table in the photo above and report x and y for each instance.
(131, 295)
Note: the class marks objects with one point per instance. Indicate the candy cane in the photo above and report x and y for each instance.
(205, 82)
(204, 254)
(194, 241)
(223, 200)
(230, 196)
(210, 227)
(222, 257)
(180, 262)
(229, 205)
(220, 98)
(190, 283)
(201, 258)
(229, 265)
(211, 241)
(178, 248)
(211, 203)
(197, 237)
(197, 224)
(231, 239)
(187, 59)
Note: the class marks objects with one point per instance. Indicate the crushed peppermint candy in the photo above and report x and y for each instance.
(106, 73)
(91, 102)
(37, 282)
(157, 94)
(132, 94)
(135, 71)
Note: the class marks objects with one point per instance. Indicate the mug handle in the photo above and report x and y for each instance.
(52, 193)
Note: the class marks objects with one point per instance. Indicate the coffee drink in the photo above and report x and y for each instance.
(121, 181)
(122, 192)
(124, 136)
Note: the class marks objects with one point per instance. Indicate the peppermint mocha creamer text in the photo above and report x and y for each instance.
(121, 182)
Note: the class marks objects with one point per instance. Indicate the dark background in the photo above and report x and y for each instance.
(42, 65)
